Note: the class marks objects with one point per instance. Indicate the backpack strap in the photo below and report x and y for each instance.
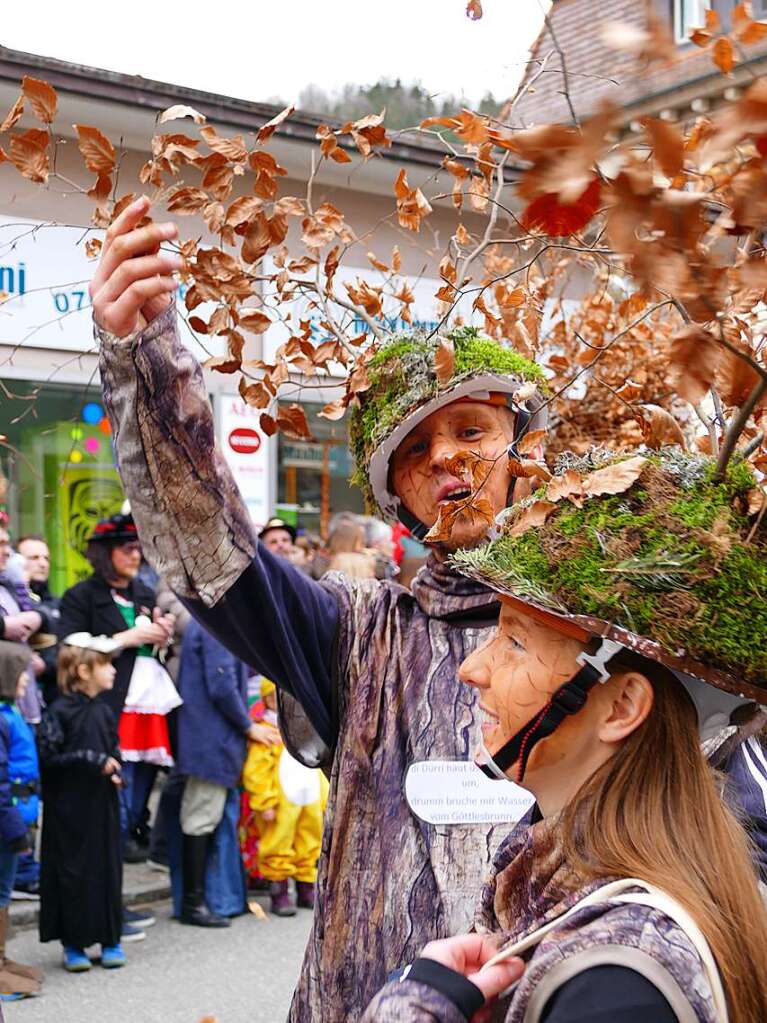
(617, 892)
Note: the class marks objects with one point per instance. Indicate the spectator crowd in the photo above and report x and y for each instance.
(129, 733)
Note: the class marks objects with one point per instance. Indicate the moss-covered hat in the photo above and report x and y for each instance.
(405, 389)
(650, 551)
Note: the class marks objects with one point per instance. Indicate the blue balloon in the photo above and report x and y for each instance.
(92, 413)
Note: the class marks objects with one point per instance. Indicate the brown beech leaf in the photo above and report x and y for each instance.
(101, 189)
(474, 10)
(568, 485)
(668, 145)
(412, 205)
(629, 390)
(93, 247)
(291, 420)
(752, 32)
(615, 478)
(532, 517)
(29, 154)
(268, 129)
(14, 114)
(98, 152)
(735, 379)
(359, 380)
(230, 148)
(477, 511)
(723, 54)
(254, 321)
(178, 112)
(42, 98)
(186, 201)
(551, 216)
(755, 500)
(243, 209)
(526, 468)
(527, 444)
(377, 263)
(444, 361)
(334, 410)
(694, 357)
(469, 467)
(527, 391)
(268, 424)
(659, 428)
(468, 126)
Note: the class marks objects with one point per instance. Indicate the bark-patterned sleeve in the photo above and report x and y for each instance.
(194, 527)
(50, 743)
(408, 1001)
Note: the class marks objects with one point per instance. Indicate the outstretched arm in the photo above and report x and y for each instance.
(193, 524)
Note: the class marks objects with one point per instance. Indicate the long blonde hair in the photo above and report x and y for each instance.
(653, 811)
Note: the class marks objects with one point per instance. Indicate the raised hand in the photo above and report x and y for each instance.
(133, 283)
(468, 953)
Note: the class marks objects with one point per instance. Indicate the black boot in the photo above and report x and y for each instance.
(193, 907)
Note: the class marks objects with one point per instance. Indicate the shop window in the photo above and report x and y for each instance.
(313, 476)
(60, 468)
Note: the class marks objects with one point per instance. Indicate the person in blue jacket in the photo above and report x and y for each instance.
(19, 781)
(213, 729)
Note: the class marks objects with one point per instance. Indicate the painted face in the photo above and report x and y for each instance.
(516, 672)
(418, 473)
(279, 542)
(5, 548)
(38, 559)
(126, 559)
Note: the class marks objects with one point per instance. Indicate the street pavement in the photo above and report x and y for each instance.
(245, 974)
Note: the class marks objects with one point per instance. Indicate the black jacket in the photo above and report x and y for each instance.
(88, 607)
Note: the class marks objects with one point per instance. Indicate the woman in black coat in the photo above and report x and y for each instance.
(104, 605)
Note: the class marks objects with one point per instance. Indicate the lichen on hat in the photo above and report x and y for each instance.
(405, 387)
(651, 544)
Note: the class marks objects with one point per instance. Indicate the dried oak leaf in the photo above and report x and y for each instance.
(268, 129)
(98, 152)
(444, 361)
(30, 155)
(532, 517)
(615, 478)
(694, 357)
(659, 428)
(42, 98)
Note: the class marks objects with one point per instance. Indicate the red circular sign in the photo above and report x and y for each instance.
(245, 440)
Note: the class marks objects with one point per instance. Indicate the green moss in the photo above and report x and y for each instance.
(646, 560)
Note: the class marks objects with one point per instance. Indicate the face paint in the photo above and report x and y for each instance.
(418, 472)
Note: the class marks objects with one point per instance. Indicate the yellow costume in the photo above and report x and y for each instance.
(289, 845)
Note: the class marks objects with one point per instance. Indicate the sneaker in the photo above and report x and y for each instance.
(112, 956)
(156, 864)
(131, 933)
(75, 960)
(138, 918)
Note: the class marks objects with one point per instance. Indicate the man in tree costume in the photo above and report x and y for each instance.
(367, 670)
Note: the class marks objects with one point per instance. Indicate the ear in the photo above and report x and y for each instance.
(626, 707)
(82, 672)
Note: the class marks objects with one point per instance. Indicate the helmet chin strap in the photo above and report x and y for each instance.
(565, 702)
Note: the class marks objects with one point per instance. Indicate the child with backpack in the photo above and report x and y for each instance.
(19, 779)
(81, 882)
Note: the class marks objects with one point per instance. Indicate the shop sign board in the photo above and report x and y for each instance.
(249, 453)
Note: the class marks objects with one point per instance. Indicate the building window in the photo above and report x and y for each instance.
(688, 14)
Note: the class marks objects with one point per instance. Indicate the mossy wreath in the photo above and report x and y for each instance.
(402, 376)
(675, 558)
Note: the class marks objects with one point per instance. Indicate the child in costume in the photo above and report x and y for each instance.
(632, 645)
(288, 800)
(19, 777)
(81, 882)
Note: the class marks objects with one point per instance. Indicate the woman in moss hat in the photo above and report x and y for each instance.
(367, 671)
(632, 642)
